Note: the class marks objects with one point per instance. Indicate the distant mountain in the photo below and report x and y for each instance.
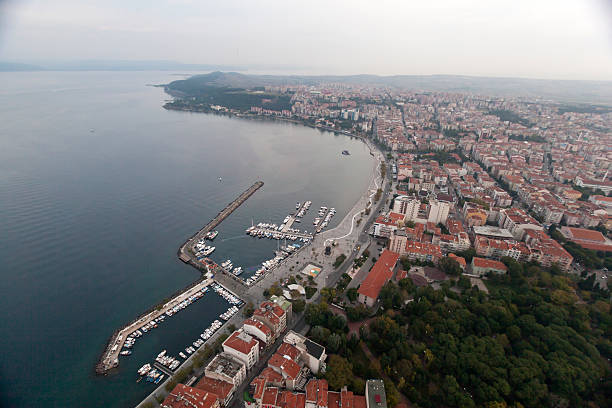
(591, 92)
(111, 65)
(17, 66)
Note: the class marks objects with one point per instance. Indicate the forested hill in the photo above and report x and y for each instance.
(596, 92)
(539, 339)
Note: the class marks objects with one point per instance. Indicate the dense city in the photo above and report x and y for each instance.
(482, 280)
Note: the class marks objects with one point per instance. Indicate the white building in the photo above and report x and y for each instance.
(243, 347)
(408, 206)
(438, 211)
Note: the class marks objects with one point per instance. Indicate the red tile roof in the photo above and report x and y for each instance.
(183, 396)
(259, 385)
(423, 248)
(269, 396)
(259, 325)
(316, 392)
(333, 399)
(212, 385)
(489, 264)
(288, 367)
(240, 341)
(360, 401)
(379, 275)
(586, 234)
(459, 259)
(401, 274)
(287, 349)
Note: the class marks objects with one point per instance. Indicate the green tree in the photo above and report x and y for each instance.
(450, 266)
(339, 372)
(298, 305)
(351, 294)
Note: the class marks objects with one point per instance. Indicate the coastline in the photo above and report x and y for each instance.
(364, 200)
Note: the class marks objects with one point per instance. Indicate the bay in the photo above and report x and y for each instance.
(99, 185)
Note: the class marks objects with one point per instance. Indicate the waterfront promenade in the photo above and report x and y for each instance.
(343, 238)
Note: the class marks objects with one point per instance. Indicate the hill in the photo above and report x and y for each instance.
(589, 92)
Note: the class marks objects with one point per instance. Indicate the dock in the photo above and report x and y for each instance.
(110, 357)
(186, 253)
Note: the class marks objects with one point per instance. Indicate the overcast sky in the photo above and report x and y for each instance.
(562, 39)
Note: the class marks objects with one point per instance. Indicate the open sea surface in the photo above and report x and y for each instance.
(99, 185)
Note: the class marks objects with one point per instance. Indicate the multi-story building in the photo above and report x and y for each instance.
(380, 273)
(517, 221)
(226, 368)
(407, 206)
(184, 396)
(243, 347)
(273, 316)
(481, 266)
(422, 251)
(313, 354)
(222, 389)
(259, 330)
(438, 211)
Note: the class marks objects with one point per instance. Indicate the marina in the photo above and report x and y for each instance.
(124, 339)
(195, 252)
(187, 251)
(166, 364)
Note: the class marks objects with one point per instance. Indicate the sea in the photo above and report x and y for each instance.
(99, 186)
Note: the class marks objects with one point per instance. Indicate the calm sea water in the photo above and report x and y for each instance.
(98, 187)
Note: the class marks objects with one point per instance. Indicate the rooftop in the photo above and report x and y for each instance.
(221, 388)
(224, 364)
(375, 392)
(488, 263)
(183, 396)
(491, 231)
(381, 272)
(314, 349)
(240, 341)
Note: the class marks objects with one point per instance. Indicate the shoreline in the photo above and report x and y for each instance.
(352, 212)
(109, 358)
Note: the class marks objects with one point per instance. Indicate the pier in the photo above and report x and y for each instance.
(110, 357)
(185, 252)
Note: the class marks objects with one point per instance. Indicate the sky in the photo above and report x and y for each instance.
(550, 39)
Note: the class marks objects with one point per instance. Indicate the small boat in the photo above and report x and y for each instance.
(126, 352)
(220, 179)
(346, 153)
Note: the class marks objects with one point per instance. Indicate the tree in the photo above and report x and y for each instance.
(339, 372)
(298, 305)
(328, 294)
(334, 342)
(450, 266)
(248, 310)
(351, 294)
(339, 260)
